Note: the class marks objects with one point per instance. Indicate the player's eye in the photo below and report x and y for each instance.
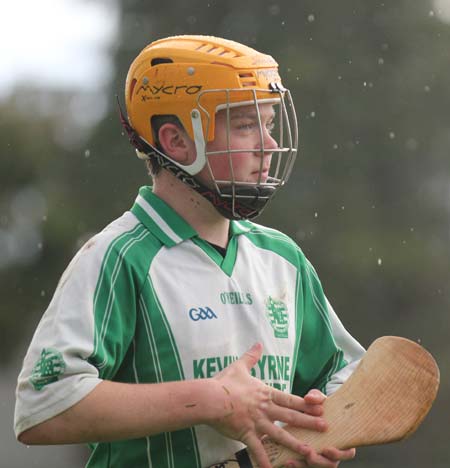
(246, 125)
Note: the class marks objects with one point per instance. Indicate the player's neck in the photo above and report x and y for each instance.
(196, 210)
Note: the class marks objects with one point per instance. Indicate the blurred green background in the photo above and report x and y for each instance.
(369, 199)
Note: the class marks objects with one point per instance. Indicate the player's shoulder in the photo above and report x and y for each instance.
(272, 239)
(125, 237)
(125, 246)
(267, 233)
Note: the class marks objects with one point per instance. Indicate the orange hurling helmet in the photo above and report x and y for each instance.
(193, 78)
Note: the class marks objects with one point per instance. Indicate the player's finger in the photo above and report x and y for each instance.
(252, 356)
(313, 410)
(295, 402)
(315, 397)
(317, 460)
(295, 464)
(337, 455)
(288, 400)
(296, 418)
(282, 437)
(257, 452)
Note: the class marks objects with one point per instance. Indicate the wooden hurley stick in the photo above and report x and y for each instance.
(384, 400)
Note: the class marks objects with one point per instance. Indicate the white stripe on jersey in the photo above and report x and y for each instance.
(352, 350)
(112, 293)
(168, 231)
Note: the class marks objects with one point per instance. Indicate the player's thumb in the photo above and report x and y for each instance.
(252, 356)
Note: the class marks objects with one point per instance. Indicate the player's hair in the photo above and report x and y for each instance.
(157, 121)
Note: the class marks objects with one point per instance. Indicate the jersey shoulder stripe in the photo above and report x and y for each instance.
(275, 241)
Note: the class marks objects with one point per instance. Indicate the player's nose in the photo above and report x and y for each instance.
(268, 141)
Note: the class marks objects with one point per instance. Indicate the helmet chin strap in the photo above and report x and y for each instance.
(225, 203)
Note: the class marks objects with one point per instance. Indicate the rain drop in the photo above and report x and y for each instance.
(87, 153)
(379, 261)
(311, 18)
(274, 10)
(391, 135)
(411, 144)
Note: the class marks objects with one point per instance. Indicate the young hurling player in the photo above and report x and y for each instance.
(138, 352)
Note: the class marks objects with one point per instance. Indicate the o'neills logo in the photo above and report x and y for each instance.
(236, 297)
(152, 91)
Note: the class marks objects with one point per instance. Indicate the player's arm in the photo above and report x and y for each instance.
(233, 402)
(114, 411)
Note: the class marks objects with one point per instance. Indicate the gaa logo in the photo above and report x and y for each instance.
(201, 313)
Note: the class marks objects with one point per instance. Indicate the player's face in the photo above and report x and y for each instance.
(244, 133)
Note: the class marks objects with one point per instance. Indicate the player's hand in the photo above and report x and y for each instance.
(251, 407)
(329, 458)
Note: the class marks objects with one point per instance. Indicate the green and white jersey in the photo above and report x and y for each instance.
(148, 301)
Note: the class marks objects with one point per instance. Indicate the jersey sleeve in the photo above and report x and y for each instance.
(327, 353)
(83, 335)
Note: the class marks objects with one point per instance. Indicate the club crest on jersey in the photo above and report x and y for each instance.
(279, 318)
(47, 369)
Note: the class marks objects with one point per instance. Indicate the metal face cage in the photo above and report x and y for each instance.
(254, 193)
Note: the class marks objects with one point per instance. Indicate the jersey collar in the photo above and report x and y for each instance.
(159, 218)
(166, 224)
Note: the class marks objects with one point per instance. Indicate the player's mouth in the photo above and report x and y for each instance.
(264, 175)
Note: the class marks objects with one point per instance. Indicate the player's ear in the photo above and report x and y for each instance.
(176, 143)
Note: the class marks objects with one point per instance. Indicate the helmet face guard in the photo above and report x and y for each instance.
(251, 194)
(195, 78)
